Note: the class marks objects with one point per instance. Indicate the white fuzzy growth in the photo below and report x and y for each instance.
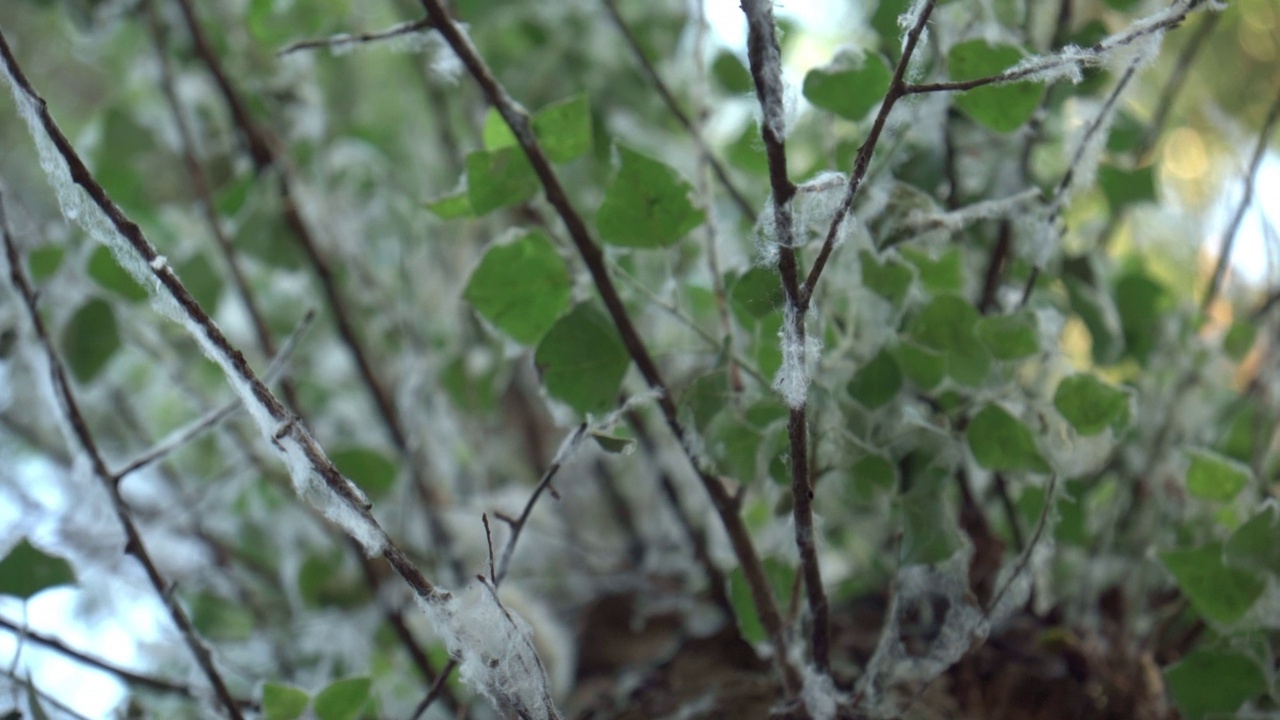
(1041, 238)
(816, 203)
(159, 263)
(792, 380)
(1067, 64)
(961, 627)
(773, 105)
(495, 651)
(907, 21)
(79, 207)
(819, 694)
(965, 216)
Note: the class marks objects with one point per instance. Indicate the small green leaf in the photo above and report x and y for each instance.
(1253, 545)
(369, 469)
(941, 275)
(747, 152)
(564, 129)
(499, 178)
(1002, 108)
(26, 571)
(455, 205)
(889, 279)
(217, 618)
(89, 339)
(283, 702)
(1140, 301)
(1127, 133)
(613, 445)
(1123, 188)
(43, 262)
(758, 292)
(1009, 337)
(780, 577)
(1219, 593)
(647, 205)
(1214, 477)
(1000, 442)
(872, 475)
(732, 75)
(1091, 405)
(582, 360)
(1214, 683)
(107, 273)
(521, 287)
(849, 87)
(343, 700)
(201, 278)
(922, 366)
(877, 382)
(496, 134)
(948, 325)
(1239, 339)
(929, 534)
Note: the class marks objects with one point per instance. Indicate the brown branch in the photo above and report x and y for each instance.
(717, 167)
(80, 431)
(724, 502)
(337, 41)
(129, 677)
(517, 525)
(1229, 235)
(766, 71)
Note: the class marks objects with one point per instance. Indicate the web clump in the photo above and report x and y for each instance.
(799, 355)
(494, 649)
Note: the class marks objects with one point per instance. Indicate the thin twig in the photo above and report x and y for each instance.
(438, 688)
(81, 435)
(336, 41)
(766, 71)
(567, 449)
(723, 501)
(1229, 235)
(129, 677)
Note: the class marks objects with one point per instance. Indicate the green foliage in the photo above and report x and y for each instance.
(877, 382)
(283, 702)
(1213, 477)
(1001, 442)
(1002, 108)
(1091, 405)
(90, 338)
(1210, 683)
(1218, 592)
(521, 287)
(26, 571)
(848, 87)
(646, 205)
(342, 700)
(586, 381)
(499, 178)
(369, 469)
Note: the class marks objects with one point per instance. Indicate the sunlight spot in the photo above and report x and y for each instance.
(1185, 155)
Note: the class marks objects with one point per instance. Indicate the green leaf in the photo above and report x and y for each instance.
(499, 178)
(89, 339)
(647, 205)
(1253, 545)
(942, 275)
(1091, 405)
(496, 134)
(1009, 337)
(890, 280)
(1000, 442)
(455, 205)
(369, 469)
(1126, 134)
(847, 86)
(1140, 300)
(1218, 592)
(1239, 339)
(612, 444)
(1094, 308)
(324, 582)
(780, 577)
(43, 262)
(1214, 477)
(929, 533)
(521, 287)
(1123, 188)
(877, 382)
(343, 700)
(1214, 682)
(26, 571)
(1002, 108)
(747, 152)
(582, 360)
(732, 75)
(201, 278)
(872, 475)
(563, 129)
(757, 292)
(217, 618)
(283, 702)
(922, 366)
(948, 325)
(107, 273)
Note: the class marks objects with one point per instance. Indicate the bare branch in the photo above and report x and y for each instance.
(344, 40)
